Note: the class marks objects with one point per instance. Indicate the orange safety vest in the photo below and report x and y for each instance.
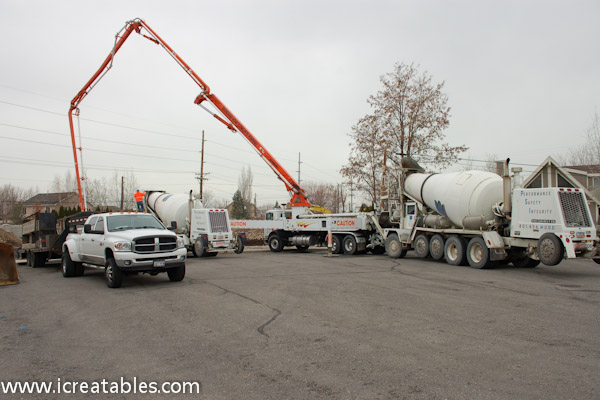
(139, 196)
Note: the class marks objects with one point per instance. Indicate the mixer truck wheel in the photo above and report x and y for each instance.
(421, 246)
(393, 247)
(455, 250)
(198, 249)
(478, 254)
(436, 247)
(349, 245)
(550, 249)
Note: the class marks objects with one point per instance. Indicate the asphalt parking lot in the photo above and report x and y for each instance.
(304, 326)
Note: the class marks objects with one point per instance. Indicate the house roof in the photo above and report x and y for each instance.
(589, 169)
(563, 171)
(50, 199)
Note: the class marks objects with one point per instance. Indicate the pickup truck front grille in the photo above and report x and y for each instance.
(155, 244)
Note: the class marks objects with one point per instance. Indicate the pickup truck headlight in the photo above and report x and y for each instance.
(123, 246)
(180, 243)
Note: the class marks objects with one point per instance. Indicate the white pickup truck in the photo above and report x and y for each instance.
(124, 243)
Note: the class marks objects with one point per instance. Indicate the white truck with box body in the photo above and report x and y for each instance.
(204, 231)
(477, 218)
(351, 233)
(124, 243)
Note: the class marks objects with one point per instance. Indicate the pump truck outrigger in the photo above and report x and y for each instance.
(478, 218)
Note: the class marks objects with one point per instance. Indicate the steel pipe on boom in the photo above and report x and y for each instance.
(223, 114)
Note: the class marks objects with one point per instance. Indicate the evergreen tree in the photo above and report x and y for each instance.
(238, 209)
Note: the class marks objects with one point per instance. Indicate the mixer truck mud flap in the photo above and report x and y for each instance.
(495, 243)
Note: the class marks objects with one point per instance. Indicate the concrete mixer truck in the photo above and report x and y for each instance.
(477, 218)
(204, 231)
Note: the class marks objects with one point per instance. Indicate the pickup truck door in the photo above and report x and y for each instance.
(96, 243)
(85, 242)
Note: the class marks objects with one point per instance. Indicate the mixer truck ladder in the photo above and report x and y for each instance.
(221, 113)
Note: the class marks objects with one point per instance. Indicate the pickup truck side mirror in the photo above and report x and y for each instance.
(173, 226)
(87, 228)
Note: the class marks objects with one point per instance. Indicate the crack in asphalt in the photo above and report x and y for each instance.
(260, 329)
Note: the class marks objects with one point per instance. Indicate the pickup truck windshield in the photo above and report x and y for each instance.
(132, 221)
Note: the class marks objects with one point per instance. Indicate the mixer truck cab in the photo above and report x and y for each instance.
(122, 244)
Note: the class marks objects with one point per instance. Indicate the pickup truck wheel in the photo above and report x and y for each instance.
(421, 246)
(455, 250)
(113, 274)
(275, 243)
(550, 249)
(349, 245)
(67, 265)
(596, 260)
(176, 274)
(436, 247)
(239, 248)
(336, 244)
(393, 247)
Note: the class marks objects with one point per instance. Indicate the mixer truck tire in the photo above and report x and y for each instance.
(421, 246)
(596, 260)
(239, 248)
(478, 254)
(455, 250)
(198, 249)
(336, 244)
(349, 245)
(436, 247)
(393, 247)
(176, 274)
(275, 243)
(550, 249)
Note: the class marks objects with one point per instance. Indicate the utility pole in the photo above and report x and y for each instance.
(122, 190)
(299, 162)
(200, 176)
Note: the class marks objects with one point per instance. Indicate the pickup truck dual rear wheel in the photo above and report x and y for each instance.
(67, 265)
(113, 274)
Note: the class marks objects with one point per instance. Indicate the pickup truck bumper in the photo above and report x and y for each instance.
(144, 262)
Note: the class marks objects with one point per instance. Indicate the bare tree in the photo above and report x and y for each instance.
(589, 152)
(409, 117)
(322, 194)
(245, 184)
(11, 203)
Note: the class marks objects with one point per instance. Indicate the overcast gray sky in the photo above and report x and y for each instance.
(522, 79)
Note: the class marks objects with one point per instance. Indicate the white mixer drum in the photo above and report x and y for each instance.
(457, 195)
(172, 207)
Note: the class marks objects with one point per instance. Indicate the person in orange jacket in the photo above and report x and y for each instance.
(139, 199)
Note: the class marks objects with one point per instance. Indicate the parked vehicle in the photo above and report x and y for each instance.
(477, 218)
(204, 231)
(122, 244)
(41, 240)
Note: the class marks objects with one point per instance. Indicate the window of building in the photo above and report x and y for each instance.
(563, 182)
(536, 183)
